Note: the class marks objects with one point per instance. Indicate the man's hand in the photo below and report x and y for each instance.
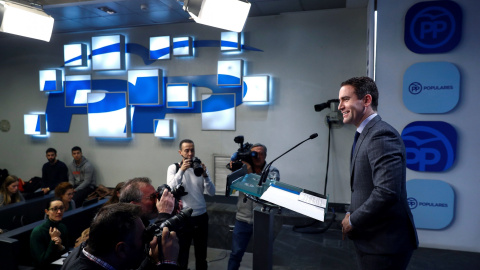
(205, 170)
(170, 246)
(166, 203)
(187, 163)
(45, 190)
(346, 227)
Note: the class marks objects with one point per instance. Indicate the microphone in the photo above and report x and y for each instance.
(266, 170)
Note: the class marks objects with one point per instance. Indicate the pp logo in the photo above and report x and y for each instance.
(430, 146)
(412, 203)
(415, 88)
(433, 27)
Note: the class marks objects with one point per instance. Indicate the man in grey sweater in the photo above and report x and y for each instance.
(81, 175)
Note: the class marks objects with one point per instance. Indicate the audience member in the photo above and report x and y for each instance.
(243, 229)
(81, 175)
(65, 191)
(53, 172)
(182, 173)
(117, 242)
(115, 194)
(48, 241)
(9, 191)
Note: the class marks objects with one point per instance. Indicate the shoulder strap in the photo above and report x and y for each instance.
(178, 167)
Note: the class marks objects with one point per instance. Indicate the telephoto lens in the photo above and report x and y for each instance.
(197, 166)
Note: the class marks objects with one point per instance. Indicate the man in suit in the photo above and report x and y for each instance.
(379, 220)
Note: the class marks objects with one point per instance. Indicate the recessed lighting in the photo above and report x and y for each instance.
(107, 10)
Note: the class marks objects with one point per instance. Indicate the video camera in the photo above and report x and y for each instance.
(178, 192)
(243, 153)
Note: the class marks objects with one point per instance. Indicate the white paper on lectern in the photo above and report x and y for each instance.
(290, 200)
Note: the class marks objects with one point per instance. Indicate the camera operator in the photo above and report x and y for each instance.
(196, 185)
(117, 242)
(244, 218)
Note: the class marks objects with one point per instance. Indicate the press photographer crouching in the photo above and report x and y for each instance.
(118, 240)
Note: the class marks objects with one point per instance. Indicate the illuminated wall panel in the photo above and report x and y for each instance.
(163, 128)
(145, 87)
(229, 72)
(76, 89)
(107, 114)
(160, 48)
(75, 55)
(108, 52)
(35, 124)
(51, 80)
(255, 88)
(179, 95)
(230, 41)
(182, 46)
(218, 112)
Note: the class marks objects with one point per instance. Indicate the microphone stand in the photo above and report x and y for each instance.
(266, 170)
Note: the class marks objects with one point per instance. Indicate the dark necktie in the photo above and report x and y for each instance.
(357, 134)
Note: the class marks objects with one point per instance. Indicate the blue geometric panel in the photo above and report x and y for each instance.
(145, 87)
(432, 203)
(108, 52)
(431, 87)
(75, 55)
(160, 48)
(218, 112)
(107, 115)
(182, 46)
(230, 72)
(179, 95)
(163, 128)
(35, 124)
(255, 88)
(230, 41)
(51, 80)
(431, 146)
(76, 89)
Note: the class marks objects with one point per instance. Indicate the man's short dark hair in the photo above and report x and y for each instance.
(112, 224)
(77, 148)
(364, 86)
(184, 141)
(131, 192)
(50, 150)
(261, 145)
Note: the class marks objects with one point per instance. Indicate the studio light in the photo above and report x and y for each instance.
(225, 14)
(25, 21)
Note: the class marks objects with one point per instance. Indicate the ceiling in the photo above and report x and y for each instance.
(84, 15)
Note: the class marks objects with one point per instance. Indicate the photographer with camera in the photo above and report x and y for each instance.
(193, 175)
(118, 241)
(243, 230)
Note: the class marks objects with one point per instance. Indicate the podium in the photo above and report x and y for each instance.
(274, 195)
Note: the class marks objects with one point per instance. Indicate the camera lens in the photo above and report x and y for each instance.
(197, 166)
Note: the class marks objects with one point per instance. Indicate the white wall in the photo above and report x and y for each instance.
(393, 58)
(306, 54)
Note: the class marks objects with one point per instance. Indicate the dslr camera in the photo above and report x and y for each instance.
(176, 223)
(178, 192)
(197, 166)
(244, 153)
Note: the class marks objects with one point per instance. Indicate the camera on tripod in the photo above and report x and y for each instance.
(244, 153)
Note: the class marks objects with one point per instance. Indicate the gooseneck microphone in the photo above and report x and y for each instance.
(266, 170)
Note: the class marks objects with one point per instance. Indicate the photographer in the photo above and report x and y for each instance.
(196, 184)
(244, 218)
(117, 242)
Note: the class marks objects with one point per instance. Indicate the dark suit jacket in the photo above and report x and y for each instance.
(380, 215)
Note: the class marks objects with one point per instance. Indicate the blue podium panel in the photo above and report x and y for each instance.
(432, 203)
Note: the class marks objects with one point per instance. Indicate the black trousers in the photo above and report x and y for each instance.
(398, 261)
(198, 232)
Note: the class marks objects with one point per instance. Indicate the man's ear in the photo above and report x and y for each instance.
(367, 99)
(121, 250)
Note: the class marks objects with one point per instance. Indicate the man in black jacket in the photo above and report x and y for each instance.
(117, 242)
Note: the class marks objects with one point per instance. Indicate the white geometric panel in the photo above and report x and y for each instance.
(255, 89)
(182, 46)
(107, 114)
(108, 52)
(229, 72)
(179, 95)
(51, 80)
(230, 41)
(160, 48)
(75, 55)
(163, 128)
(35, 124)
(218, 111)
